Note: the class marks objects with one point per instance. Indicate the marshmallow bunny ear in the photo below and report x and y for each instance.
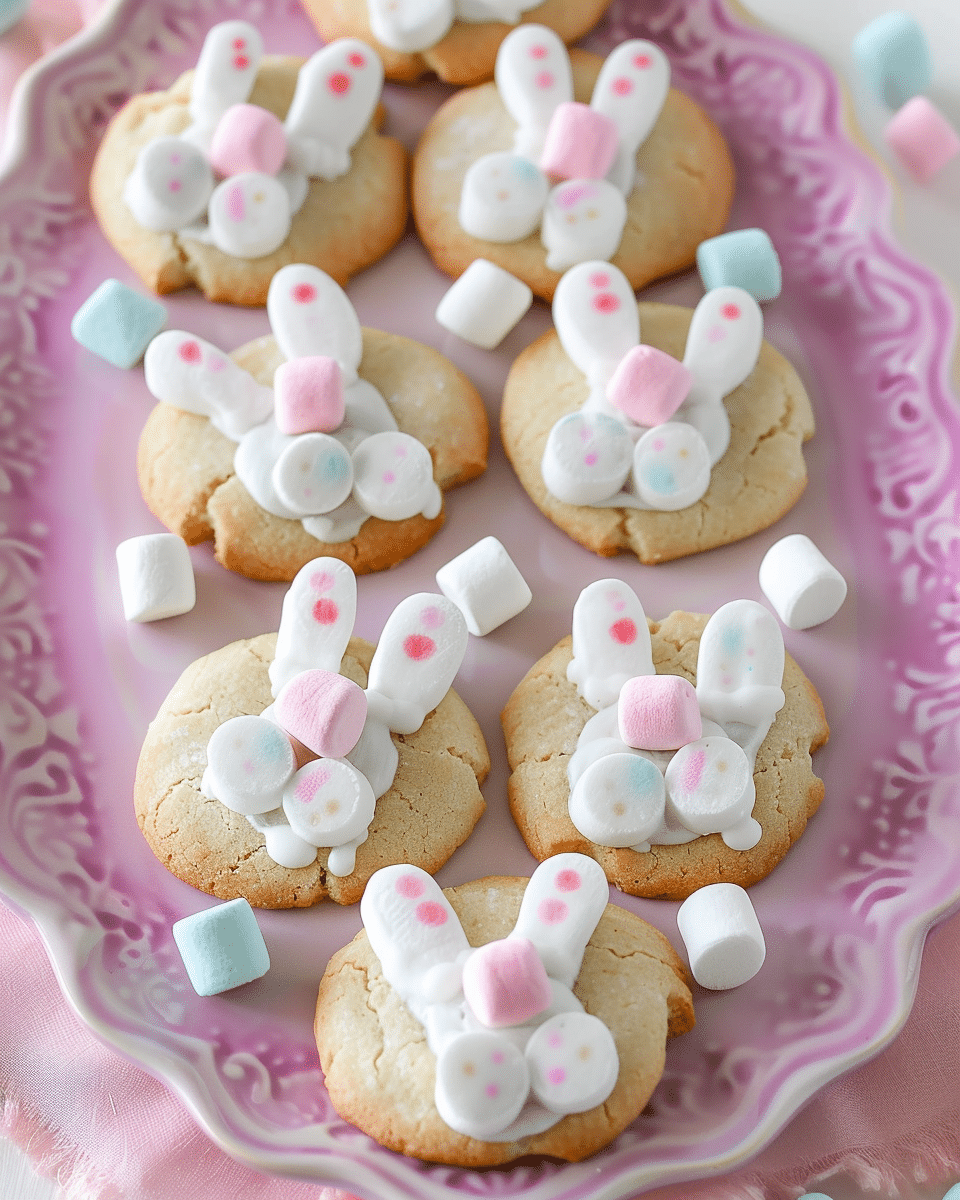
(194, 375)
(595, 314)
(316, 620)
(611, 641)
(310, 314)
(724, 340)
(410, 25)
(561, 906)
(533, 76)
(630, 90)
(337, 92)
(225, 71)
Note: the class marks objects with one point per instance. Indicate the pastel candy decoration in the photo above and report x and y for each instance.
(573, 1063)
(580, 143)
(482, 1083)
(922, 138)
(893, 57)
(484, 304)
(328, 803)
(393, 477)
(611, 641)
(583, 220)
(801, 583)
(308, 395)
(658, 712)
(337, 91)
(316, 620)
(561, 906)
(533, 76)
(709, 790)
(169, 186)
(314, 474)
(156, 577)
(249, 762)
(323, 710)
(502, 197)
(310, 314)
(249, 215)
(596, 318)
(618, 801)
(631, 89)
(671, 466)
(745, 258)
(194, 375)
(587, 459)
(410, 25)
(722, 936)
(117, 323)
(648, 386)
(486, 585)
(225, 71)
(221, 947)
(248, 138)
(504, 983)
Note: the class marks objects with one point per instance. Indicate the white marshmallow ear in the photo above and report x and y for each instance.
(533, 76)
(561, 906)
(724, 341)
(225, 71)
(410, 25)
(316, 621)
(337, 91)
(611, 641)
(630, 90)
(310, 315)
(596, 317)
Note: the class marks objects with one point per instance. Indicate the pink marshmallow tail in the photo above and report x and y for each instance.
(658, 712)
(581, 143)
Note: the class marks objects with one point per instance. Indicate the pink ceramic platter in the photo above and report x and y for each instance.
(845, 915)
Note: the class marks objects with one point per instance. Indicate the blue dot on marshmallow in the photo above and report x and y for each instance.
(222, 947)
(118, 323)
(744, 258)
(891, 54)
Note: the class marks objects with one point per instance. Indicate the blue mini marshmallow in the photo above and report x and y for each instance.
(118, 323)
(954, 1193)
(11, 11)
(744, 258)
(222, 947)
(814, 1196)
(891, 54)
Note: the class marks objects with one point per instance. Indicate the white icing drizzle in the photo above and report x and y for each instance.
(414, 25)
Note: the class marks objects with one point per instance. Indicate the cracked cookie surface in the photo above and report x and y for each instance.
(429, 811)
(683, 194)
(545, 716)
(380, 1071)
(760, 477)
(342, 226)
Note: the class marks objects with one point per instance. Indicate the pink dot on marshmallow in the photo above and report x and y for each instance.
(658, 712)
(410, 886)
(505, 983)
(308, 395)
(648, 385)
(581, 143)
(922, 138)
(324, 711)
(248, 138)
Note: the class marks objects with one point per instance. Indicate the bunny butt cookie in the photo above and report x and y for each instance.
(500, 1018)
(677, 754)
(567, 158)
(687, 441)
(292, 766)
(251, 162)
(289, 449)
(458, 40)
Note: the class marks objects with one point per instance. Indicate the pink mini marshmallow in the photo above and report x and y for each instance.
(505, 983)
(308, 395)
(248, 138)
(581, 143)
(658, 712)
(648, 385)
(922, 138)
(324, 711)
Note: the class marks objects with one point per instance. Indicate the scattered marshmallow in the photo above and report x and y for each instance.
(308, 393)
(118, 323)
(505, 984)
(248, 138)
(649, 385)
(722, 936)
(323, 710)
(486, 585)
(156, 577)
(581, 143)
(11, 11)
(893, 58)
(744, 258)
(801, 584)
(922, 138)
(484, 304)
(222, 947)
(658, 712)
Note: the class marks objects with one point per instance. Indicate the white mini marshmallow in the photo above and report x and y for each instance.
(722, 936)
(484, 304)
(156, 577)
(486, 585)
(801, 584)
